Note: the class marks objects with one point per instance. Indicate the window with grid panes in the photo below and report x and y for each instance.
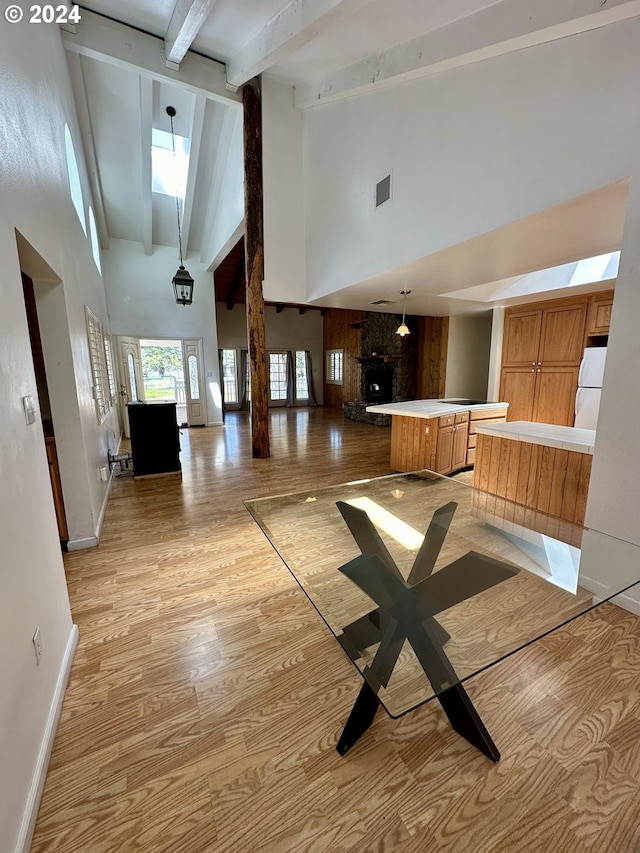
(277, 376)
(109, 363)
(99, 369)
(229, 376)
(335, 366)
(302, 382)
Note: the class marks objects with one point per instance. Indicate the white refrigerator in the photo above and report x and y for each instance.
(589, 387)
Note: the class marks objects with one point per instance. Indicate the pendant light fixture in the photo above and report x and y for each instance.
(182, 281)
(403, 329)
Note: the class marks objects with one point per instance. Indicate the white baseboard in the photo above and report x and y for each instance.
(627, 602)
(79, 544)
(93, 541)
(103, 509)
(608, 563)
(30, 813)
(625, 599)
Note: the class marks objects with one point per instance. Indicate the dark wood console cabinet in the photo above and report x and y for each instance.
(155, 443)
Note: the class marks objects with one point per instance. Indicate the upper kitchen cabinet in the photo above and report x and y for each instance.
(535, 335)
(562, 335)
(542, 350)
(600, 314)
(521, 344)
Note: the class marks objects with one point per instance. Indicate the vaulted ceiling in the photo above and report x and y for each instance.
(124, 80)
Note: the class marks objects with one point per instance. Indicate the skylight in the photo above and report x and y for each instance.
(74, 177)
(169, 175)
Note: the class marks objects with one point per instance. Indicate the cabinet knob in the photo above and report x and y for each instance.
(533, 363)
(538, 370)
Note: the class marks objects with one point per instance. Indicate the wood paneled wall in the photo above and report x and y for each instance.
(432, 366)
(342, 329)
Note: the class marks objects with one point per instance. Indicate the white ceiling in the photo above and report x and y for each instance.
(121, 89)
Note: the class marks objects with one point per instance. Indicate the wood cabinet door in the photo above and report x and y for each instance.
(562, 334)
(517, 387)
(521, 337)
(600, 313)
(459, 446)
(555, 394)
(444, 450)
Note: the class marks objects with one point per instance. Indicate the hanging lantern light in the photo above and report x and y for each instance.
(182, 281)
(403, 329)
(183, 286)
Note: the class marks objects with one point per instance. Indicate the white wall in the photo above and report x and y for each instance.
(35, 200)
(469, 343)
(471, 149)
(287, 330)
(495, 356)
(284, 224)
(225, 226)
(613, 508)
(142, 304)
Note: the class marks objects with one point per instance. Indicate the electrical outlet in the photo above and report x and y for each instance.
(37, 645)
(104, 474)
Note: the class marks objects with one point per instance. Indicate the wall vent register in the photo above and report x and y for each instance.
(383, 190)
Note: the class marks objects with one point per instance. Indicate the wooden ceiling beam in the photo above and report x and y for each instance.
(280, 306)
(296, 24)
(186, 22)
(125, 47)
(494, 31)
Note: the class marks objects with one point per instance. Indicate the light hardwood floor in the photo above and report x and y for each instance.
(206, 696)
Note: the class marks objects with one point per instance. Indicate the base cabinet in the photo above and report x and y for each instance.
(451, 450)
(444, 444)
(155, 445)
(444, 450)
(481, 417)
(533, 484)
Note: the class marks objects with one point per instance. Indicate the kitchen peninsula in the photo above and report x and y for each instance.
(437, 434)
(544, 468)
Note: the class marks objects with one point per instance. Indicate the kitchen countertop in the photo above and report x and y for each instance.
(430, 408)
(551, 435)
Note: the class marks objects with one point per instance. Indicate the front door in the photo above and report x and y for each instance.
(131, 382)
(193, 381)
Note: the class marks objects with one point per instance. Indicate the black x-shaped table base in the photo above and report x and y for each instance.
(406, 610)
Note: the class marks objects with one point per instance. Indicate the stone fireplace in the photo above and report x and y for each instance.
(388, 366)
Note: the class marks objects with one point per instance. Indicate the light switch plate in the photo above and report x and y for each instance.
(29, 410)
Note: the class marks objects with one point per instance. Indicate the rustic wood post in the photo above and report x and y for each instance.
(254, 265)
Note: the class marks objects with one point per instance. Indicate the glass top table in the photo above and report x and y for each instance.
(426, 581)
